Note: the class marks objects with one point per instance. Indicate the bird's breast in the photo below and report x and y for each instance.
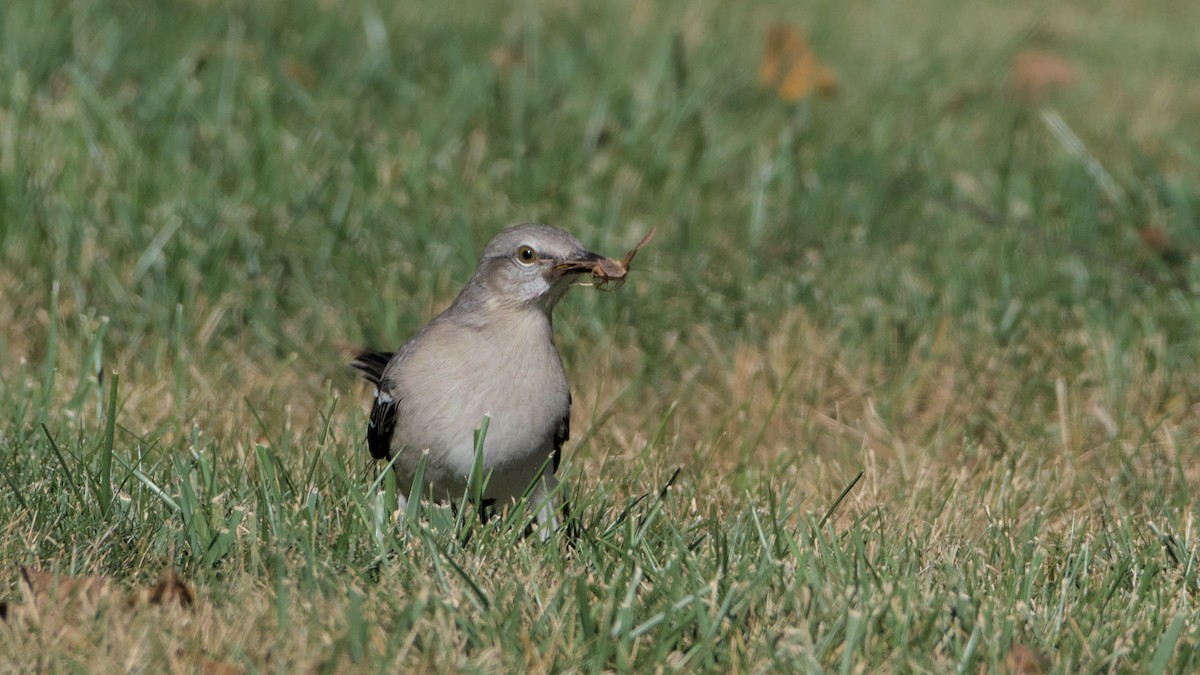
(511, 374)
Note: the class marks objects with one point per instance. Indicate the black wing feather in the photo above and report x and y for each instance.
(382, 424)
(371, 365)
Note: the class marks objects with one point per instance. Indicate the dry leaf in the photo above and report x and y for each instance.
(791, 68)
(298, 72)
(1155, 238)
(1024, 660)
(504, 59)
(211, 667)
(1159, 242)
(170, 591)
(50, 588)
(50, 591)
(1036, 73)
(65, 606)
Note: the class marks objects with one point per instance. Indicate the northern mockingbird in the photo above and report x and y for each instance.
(491, 353)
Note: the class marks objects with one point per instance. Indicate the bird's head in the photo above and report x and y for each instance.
(529, 266)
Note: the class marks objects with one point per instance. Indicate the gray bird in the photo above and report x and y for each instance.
(491, 353)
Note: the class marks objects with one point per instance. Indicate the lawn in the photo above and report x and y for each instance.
(915, 349)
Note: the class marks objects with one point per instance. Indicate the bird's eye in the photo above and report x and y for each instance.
(526, 255)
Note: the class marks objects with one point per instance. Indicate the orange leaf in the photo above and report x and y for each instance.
(1035, 73)
(50, 591)
(1024, 660)
(791, 68)
(504, 59)
(297, 71)
(1155, 238)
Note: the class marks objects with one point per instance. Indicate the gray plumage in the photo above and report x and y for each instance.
(490, 353)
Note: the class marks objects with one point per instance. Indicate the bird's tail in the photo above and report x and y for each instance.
(371, 365)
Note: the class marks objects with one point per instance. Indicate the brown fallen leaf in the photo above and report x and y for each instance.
(170, 591)
(1036, 73)
(504, 59)
(48, 587)
(297, 71)
(65, 606)
(1024, 660)
(1159, 242)
(211, 667)
(1155, 238)
(791, 67)
(50, 591)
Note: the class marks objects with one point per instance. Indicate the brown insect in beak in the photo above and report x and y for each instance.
(607, 270)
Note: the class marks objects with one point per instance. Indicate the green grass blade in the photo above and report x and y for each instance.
(106, 449)
(1166, 646)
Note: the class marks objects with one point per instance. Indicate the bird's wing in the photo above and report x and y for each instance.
(561, 435)
(382, 424)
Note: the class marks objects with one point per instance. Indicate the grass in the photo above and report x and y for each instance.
(984, 303)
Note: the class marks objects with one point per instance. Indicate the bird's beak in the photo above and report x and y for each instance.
(585, 262)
